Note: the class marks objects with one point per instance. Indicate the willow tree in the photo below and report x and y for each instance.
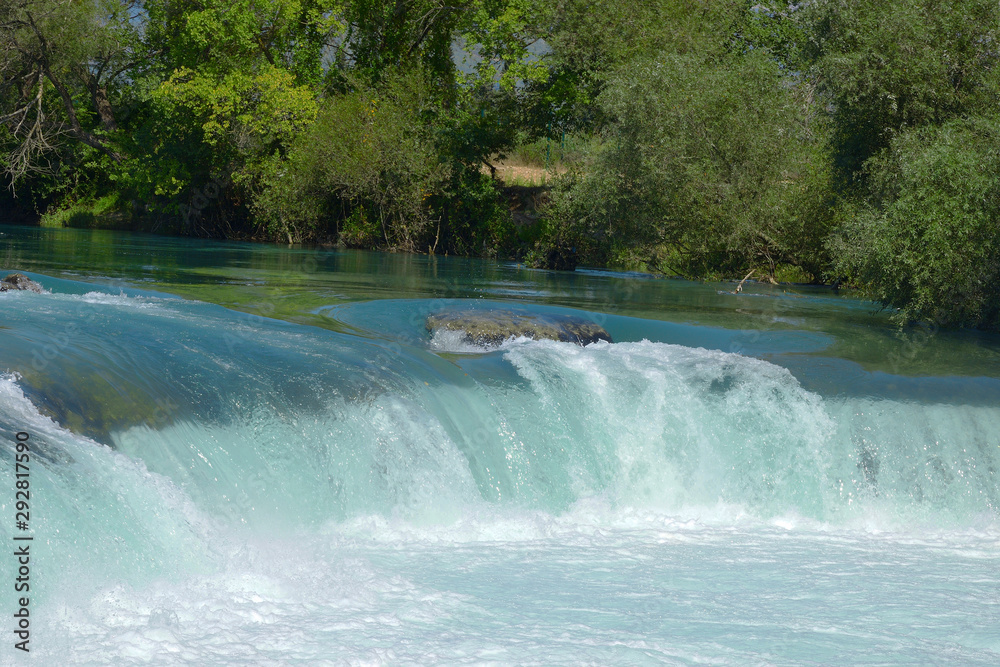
(885, 68)
(713, 155)
(914, 87)
(928, 243)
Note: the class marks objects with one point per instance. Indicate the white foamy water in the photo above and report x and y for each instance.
(543, 590)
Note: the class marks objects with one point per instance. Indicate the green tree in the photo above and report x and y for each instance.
(216, 38)
(62, 70)
(368, 165)
(928, 242)
(713, 161)
(236, 84)
(386, 36)
(913, 87)
(451, 121)
(886, 67)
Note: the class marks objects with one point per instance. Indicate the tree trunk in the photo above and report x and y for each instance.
(99, 94)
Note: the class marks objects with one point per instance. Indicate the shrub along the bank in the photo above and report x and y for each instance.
(374, 171)
(711, 163)
(928, 242)
(365, 170)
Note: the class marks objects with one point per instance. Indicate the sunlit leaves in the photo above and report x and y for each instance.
(216, 36)
(370, 155)
(500, 36)
(242, 107)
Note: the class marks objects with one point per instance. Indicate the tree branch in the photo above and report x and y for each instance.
(75, 128)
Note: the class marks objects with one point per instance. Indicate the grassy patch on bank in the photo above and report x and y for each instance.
(102, 213)
(541, 162)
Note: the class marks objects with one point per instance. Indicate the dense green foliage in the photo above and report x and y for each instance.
(914, 89)
(703, 169)
(929, 240)
(839, 139)
(368, 163)
(888, 67)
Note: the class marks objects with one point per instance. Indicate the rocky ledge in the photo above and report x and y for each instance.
(490, 328)
(17, 281)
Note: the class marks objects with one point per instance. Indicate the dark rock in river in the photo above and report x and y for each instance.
(490, 328)
(560, 257)
(17, 281)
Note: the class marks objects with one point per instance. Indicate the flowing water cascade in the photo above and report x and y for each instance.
(211, 487)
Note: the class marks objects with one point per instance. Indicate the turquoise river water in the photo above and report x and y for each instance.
(248, 454)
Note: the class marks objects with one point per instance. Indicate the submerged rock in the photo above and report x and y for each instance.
(18, 281)
(93, 403)
(490, 328)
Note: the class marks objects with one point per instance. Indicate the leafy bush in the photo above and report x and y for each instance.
(475, 220)
(368, 164)
(888, 66)
(929, 243)
(712, 161)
